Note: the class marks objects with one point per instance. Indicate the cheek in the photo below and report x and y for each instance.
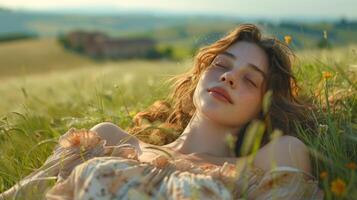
(250, 102)
(197, 95)
(195, 98)
(201, 100)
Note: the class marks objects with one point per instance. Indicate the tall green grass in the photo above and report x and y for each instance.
(37, 109)
(328, 80)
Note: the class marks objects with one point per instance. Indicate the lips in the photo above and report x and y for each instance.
(222, 92)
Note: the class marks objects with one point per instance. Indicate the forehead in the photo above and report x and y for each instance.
(247, 52)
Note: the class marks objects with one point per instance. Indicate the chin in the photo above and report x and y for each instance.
(217, 116)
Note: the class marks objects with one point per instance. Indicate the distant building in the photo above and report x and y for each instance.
(99, 45)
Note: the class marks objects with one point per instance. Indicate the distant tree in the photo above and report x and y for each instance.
(61, 38)
(323, 43)
(168, 52)
(343, 21)
(153, 53)
(16, 36)
(3, 9)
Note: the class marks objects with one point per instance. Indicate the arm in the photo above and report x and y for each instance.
(74, 148)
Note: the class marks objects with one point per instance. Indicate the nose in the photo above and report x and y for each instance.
(229, 79)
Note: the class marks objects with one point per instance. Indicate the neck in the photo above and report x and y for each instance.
(204, 136)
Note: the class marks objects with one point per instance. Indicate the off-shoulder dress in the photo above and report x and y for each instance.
(83, 167)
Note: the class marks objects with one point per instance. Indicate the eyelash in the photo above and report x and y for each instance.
(245, 78)
(250, 81)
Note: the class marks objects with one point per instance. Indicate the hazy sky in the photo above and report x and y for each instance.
(249, 8)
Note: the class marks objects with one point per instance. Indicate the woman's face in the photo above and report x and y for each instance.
(240, 72)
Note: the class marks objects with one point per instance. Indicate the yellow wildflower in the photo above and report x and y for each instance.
(323, 174)
(327, 74)
(132, 113)
(351, 165)
(338, 187)
(288, 39)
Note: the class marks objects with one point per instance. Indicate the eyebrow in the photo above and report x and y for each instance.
(256, 68)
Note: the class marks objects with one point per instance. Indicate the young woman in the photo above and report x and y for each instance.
(217, 99)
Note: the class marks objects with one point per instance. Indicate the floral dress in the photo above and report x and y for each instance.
(84, 168)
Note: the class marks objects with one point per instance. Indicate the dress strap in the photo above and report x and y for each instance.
(293, 170)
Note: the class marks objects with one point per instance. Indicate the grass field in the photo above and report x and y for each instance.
(36, 56)
(37, 108)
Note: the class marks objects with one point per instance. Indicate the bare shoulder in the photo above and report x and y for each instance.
(284, 151)
(113, 134)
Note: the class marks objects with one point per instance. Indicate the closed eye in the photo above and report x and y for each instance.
(250, 81)
(219, 65)
(247, 79)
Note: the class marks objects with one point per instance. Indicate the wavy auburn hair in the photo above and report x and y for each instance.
(174, 113)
